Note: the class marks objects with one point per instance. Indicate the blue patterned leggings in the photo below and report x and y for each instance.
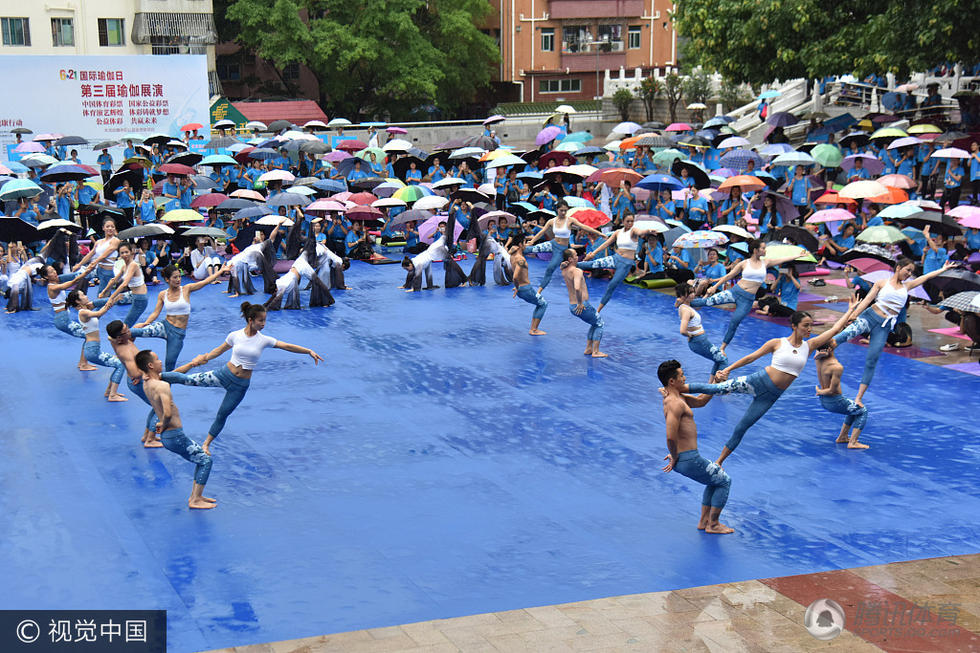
(532, 296)
(556, 250)
(877, 329)
(175, 440)
(857, 416)
(759, 385)
(701, 346)
(743, 305)
(95, 355)
(589, 316)
(620, 264)
(698, 468)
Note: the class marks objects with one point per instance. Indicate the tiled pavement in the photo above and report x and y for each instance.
(921, 605)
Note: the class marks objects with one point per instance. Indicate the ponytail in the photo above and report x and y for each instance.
(252, 311)
(73, 297)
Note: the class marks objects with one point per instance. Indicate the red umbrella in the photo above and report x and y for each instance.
(191, 126)
(352, 145)
(613, 177)
(176, 169)
(362, 198)
(242, 155)
(364, 213)
(831, 197)
(208, 200)
(589, 217)
(559, 157)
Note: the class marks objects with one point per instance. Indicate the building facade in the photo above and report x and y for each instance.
(108, 27)
(560, 49)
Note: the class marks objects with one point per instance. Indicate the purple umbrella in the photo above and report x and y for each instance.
(782, 119)
(871, 163)
(337, 156)
(907, 141)
(493, 120)
(546, 135)
(723, 172)
(784, 205)
(430, 227)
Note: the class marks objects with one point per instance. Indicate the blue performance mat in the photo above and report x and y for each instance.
(443, 462)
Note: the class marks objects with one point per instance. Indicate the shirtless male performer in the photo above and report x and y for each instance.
(578, 303)
(829, 371)
(170, 429)
(522, 285)
(682, 443)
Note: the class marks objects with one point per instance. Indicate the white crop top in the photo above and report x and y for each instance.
(625, 241)
(91, 326)
(891, 300)
(137, 279)
(245, 351)
(101, 248)
(694, 323)
(179, 306)
(790, 359)
(755, 275)
(58, 301)
(561, 232)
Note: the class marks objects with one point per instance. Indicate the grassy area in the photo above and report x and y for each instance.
(531, 108)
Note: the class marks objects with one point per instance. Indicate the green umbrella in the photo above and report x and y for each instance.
(827, 155)
(889, 132)
(881, 234)
(379, 154)
(569, 146)
(577, 137)
(665, 158)
(774, 252)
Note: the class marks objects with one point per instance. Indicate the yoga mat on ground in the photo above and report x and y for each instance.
(951, 331)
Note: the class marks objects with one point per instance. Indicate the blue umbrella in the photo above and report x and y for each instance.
(65, 172)
(526, 207)
(775, 149)
(577, 137)
(263, 153)
(330, 185)
(17, 188)
(765, 95)
(575, 202)
(660, 182)
(234, 204)
(739, 159)
(717, 121)
(588, 149)
(218, 160)
(533, 175)
(287, 199)
(16, 166)
(253, 212)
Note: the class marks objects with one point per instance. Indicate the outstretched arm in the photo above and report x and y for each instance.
(538, 236)
(734, 272)
(819, 341)
(767, 348)
(156, 311)
(201, 359)
(918, 281)
(296, 349)
(606, 243)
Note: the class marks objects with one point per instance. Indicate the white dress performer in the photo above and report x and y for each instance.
(204, 259)
(259, 256)
(502, 272)
(443, 248)
(287, 286)
(21, 286)
(330, 267)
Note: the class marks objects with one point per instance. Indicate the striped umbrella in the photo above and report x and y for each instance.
(968, 301)
(701, 239)
(739, 159)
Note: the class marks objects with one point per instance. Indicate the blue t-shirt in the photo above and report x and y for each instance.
(801, 191)
(846, 243)
(655, 259)
(949, 181)
(974, 166)
(124, 198)
(716, 271)
(436, 173)
(64, 206)
(788, 293)
(973, 239)
(934, 259)
(413, 176)
(105, 162)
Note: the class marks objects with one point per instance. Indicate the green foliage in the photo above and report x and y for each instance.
(753, 41)
(650, 89)
(697, 87)
(622, 99)
(375, 58)
(732, 95)
(674, 92)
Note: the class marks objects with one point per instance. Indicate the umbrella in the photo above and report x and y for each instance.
(58, 223)
(678, 127)
(288, 199)
(14, 229)
(431, 203)
(494, 119)
(963, 301)
(467, 195)
(273, 219)
(339, 122)
(881, 234)
(734, 141)
(351, 145)
(774, 252)
(868, 251)
(64, 141)
(363, 199)
(411, 215)
(739, 159)
(694, 171)
(182, 215)
(775, 149)
(896, 181)
(325, 206)
(589, 217)
(694, 141)
(387, 202)
(797, 235)
(862, 189)
(366, 183)
(665, 159)
(276, 175)
(16, 189)
(577, 137)
(547, 135)
(888, 132)
(830, 215)
(660, 182)
(782, 119)
(890, 196)
(430, 227)
(397, 145)
(626, 128)
(971, 221)
(330, 185)
(952, 281)
(218, 160)
(65, 172)
(210, 232)
(907, 141)
(827, 155)
(937, 223)
(653, 140)
(411, 194)
(145, 231)
(672, 234)
(234, 204)
(950, 153)
(176, 169)
(497, 216)
(504, 162)
(565, 108)
(784, 205)
(364, 214)
(253, 212)
(613, 177)
(871, 163)
(733, 230)
(560, 158)
(745, 182)
(701, 239)
(209, 200)
(793, 159)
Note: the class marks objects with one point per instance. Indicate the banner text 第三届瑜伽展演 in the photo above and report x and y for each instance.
(104, 97)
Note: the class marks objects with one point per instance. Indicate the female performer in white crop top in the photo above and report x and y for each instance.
(697, 339)
(103, 254)
(561, 230)
(788, 358)
(753, 271)
(89, 313)
(246, 346)
(130, 280)
(175, 302)
(876, 320)
(626, 239)
(58, 296)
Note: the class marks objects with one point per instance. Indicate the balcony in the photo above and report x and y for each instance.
(592, 61)
(179, 27)
(560, 9)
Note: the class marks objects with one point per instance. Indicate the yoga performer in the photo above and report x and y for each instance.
(623, 260)
(682, 445)
(330, 268)
(103, 254)
(561, 231)
(287, 286)
(246, 346)
(766, 385)
(171, 430)
(522, 285)
(578, 303)
(502, 269)
(697, 339)
(58, 295)
(261, 256)
(88, 317)
(204, 259)
(130, 279)
(21, 286)
(877, 320)
(753, 271)
(829, 371)
(175, 302)
(421, 264)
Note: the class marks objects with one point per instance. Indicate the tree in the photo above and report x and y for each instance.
(697, 87)
(673, 90)
(375, 58)
(622, 99)
(751, 41)
(732, 95)
(650, 88)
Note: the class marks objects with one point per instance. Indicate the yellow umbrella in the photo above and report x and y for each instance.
(182, 215)
(774, 252)
(924, 129)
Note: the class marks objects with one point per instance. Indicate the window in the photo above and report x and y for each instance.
(547, 39)
(62, 32)
(291, 71)
(16, 31)
(610, 38)
(634, 37)
(111, 32)
(575, 38)
(560, 86)
(228, 67)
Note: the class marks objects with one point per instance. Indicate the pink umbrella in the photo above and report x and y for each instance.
(396, 130)
(208, 200)
(678, 127)
(830, 215)
(29, 146)
(342, 197)
(971, 222)
(950, 153)
(430, 227)
(248, 194)
(964, 211)
(866, 265)
(547, 135)
(336, 156)
(896, 181)
(325, 206)
(46, 137)
(4, 170)
(871, 163)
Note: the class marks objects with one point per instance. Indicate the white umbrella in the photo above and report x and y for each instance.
(564, 108)
(276, 175)
(339, 122)
(860, 189)
(274, 220)
(256, 125)
(397, 145)
(430, 203)
(733, 230)
(385, 202)
(696, 106)
(450, 181)
(311, 124)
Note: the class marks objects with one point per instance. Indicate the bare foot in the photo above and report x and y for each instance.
(588, 352)
(230, 296)
(599, 354)
(118, 397)
(152, 443)
(200, 504)
(87, 368)
(209, 499)
(841, 439)
(857, 445)
(537, 332)
(702, 525)
(719, 529)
